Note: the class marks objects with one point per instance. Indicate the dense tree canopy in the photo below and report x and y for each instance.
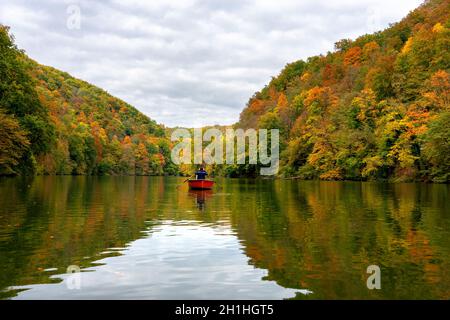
(52, 123)
(376, 108)
(26, 131)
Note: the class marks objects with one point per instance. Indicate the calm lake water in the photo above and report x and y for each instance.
(146, 238)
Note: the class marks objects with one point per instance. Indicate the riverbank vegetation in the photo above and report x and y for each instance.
(378, 107)
(53, 123)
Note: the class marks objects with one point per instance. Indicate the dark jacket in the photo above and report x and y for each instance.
(201, 174)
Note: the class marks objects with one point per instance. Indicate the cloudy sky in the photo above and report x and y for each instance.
(188, 62)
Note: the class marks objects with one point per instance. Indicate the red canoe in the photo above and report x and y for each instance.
(201, 184)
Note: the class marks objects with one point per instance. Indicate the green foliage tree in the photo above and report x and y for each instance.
(19, 98)
(13, 143)
(436, 148)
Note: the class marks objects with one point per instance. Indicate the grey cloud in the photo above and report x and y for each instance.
(191, 62)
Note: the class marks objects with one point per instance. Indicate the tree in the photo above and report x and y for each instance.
(13, 143)
(439, 90)
(142, 160)
(127, 161)
(353, 56)
(436, 148)
(343, 45)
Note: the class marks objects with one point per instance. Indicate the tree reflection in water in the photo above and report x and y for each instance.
(306, 235)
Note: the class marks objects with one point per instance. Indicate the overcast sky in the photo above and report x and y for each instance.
(187, 62)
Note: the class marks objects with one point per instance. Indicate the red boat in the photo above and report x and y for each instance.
(200, 184)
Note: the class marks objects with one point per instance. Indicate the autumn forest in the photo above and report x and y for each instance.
(376, 108)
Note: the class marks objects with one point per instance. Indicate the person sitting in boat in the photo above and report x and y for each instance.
(201, 174)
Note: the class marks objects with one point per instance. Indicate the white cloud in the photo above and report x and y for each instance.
(189, 63)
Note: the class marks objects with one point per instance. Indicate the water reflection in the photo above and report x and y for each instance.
(142, 237)
(156, 267)
(200, 197)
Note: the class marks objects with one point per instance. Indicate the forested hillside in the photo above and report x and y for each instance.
(52, 123)
(378, 107)
(375, 108)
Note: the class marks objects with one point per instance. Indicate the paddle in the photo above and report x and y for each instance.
(184, 182)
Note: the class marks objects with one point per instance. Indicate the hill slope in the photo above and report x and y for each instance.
(376, 108)
(52, 123)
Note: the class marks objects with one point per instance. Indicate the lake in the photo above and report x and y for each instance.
(152, 238)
